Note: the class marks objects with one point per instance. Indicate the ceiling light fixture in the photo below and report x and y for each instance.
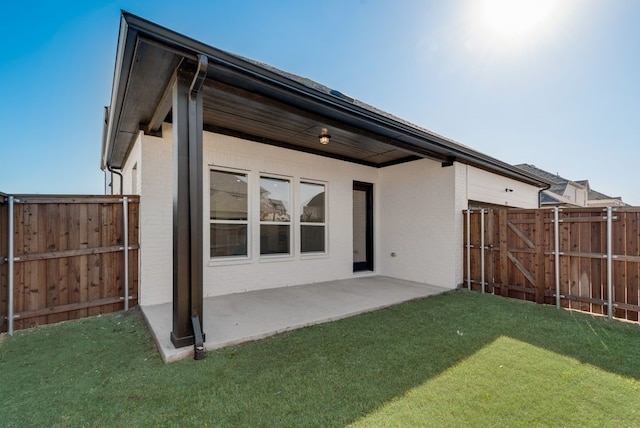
(324, 136)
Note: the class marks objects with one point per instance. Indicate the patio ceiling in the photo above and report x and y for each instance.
(238, 112)
(254, 101)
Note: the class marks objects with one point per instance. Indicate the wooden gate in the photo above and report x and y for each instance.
(69, 257)
(587, 259)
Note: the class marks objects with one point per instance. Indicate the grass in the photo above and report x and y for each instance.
(456, 359)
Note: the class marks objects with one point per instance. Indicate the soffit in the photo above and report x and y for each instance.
(239, 112)
(151, 70)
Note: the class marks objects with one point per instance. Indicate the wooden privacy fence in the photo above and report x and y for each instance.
(66, 257)
(580, 258)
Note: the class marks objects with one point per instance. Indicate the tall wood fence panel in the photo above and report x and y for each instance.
(69, 257)
(513, 252)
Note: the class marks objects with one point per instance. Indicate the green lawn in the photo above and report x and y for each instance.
(458, 359)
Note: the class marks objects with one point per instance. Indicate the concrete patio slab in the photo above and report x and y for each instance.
(242, 317)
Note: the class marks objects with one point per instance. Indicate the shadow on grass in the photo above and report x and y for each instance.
(327, 375)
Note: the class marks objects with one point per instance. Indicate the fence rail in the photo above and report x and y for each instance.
(69, 257)
(580, 258)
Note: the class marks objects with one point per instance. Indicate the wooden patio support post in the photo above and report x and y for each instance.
(187, 204)
(539, 274)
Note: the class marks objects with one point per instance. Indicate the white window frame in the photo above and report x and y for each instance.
(290, 223)
(325, 224)
(247, 222)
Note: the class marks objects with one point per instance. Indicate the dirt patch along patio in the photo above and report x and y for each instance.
(243, 317)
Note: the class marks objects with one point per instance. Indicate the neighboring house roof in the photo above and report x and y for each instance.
(316, 201)
(597, 196)
(549, 177)
(226, 206)
(254, 101)
(559, 191)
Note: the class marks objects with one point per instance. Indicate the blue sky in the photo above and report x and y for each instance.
(564, 97)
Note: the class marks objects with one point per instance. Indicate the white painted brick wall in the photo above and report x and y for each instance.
(418, 222)
(417, 214)
(153, 158)
(461, 203)
(260, 272)
(133, 160)
(484, 186)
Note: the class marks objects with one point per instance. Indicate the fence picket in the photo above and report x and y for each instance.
(525, 267)
(70, 258)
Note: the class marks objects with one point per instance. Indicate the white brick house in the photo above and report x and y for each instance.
(266, 204)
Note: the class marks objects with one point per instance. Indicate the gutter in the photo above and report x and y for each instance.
(548, 186)
(104, 162)
(105, 126)
(113, 171)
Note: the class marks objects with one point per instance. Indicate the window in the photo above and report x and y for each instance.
(275, 218)
(312, 218)
(229, 214)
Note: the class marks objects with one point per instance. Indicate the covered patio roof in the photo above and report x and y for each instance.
(254, 101)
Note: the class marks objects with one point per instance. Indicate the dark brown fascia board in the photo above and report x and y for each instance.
(132, 25)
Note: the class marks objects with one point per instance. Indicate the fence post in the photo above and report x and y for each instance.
(491, 269)
(11, 272)
(504, 250)
(469, 249)
(556, 245)
(609, 262)
(125, 221)
(539, 263)
(482, 249)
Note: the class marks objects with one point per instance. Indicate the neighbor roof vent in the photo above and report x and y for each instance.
(340, 95)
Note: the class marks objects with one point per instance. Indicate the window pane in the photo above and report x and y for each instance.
(275, 195)
(312, 208)
(311, 239)
(274, 239)
(228, 240)
(228, 196)
(359, 226)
